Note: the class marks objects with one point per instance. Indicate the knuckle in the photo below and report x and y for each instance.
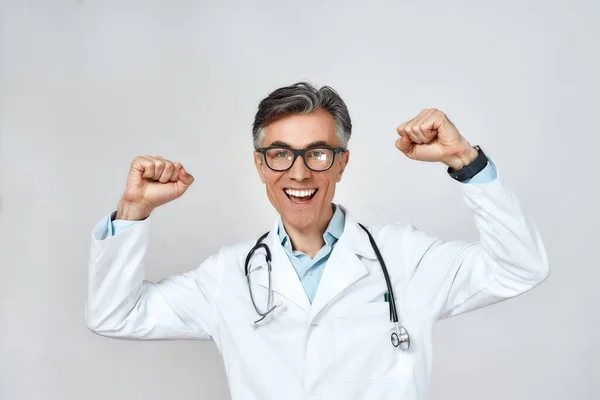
(139, 160)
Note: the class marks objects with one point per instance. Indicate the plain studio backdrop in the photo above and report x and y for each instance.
(85, 86)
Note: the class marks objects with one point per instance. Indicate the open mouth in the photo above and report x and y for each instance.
(300, 196)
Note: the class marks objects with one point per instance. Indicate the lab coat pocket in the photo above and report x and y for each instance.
(363, 346)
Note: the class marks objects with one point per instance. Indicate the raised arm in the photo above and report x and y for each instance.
(509, 257)
(121, 303)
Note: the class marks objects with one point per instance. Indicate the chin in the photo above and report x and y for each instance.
(300, 220)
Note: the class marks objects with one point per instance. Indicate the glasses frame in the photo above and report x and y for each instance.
(302, 154)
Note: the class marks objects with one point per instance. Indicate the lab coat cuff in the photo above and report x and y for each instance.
(108, 227)
(492, 189)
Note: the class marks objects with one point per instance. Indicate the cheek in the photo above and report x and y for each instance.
(329, 182)
(272, 182)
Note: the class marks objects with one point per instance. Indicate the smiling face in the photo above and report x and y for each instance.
(301, 196)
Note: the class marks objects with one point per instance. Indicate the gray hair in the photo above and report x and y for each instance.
(302, 98)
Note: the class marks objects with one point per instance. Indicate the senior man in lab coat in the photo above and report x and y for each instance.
(328, 336)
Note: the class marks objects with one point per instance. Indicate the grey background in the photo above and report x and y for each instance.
(87, 85)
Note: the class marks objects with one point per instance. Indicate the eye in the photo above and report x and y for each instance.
(281, 154)
(318, 154)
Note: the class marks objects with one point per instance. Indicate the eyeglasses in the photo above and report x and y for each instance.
(317, 159)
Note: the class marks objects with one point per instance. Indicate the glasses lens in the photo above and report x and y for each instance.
(319, 159)
(279, 159)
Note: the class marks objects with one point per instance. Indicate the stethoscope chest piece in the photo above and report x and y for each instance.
(400, 338)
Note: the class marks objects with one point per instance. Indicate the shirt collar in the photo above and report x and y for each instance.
(332, 233)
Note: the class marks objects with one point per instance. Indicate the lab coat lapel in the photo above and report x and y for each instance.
(284, 279)
(344, 266)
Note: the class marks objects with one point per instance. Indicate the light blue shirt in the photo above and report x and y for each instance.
(309, 270)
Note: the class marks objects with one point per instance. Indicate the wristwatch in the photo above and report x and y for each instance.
(471, 169)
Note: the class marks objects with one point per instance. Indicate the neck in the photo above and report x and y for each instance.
(309, 240)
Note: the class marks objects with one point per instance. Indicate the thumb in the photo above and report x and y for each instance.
(184, 179)
(405, 145)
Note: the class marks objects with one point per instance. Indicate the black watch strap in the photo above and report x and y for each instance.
(472, 169)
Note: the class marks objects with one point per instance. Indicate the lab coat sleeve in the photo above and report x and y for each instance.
(122, 304)
(509, 258)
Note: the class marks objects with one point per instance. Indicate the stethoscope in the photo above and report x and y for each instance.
(399, 337)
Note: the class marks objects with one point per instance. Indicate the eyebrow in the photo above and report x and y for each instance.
(318, 143)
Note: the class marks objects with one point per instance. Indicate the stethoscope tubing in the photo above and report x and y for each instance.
(399, 338)
(392, 299)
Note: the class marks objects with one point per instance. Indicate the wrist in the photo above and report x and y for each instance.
(132, 211)
(465, 157)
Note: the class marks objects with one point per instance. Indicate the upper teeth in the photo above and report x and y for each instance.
(300, 193)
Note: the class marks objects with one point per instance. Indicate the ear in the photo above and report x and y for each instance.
(345, 157)
(260, 166)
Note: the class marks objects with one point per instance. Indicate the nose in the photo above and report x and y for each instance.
(299, 171)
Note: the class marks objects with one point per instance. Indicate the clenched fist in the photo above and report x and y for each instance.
(430, 136)
(152, 182)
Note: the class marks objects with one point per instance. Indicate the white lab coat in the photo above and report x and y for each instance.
(339, 346)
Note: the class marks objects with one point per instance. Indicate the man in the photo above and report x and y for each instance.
(324, 329)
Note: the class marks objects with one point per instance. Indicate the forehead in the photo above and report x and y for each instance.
(299, 130)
